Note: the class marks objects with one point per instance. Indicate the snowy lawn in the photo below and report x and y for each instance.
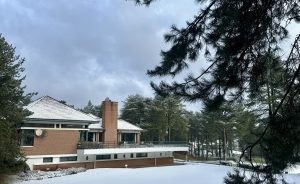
(178, 174)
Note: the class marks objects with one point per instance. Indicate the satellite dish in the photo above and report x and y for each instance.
(38, 132)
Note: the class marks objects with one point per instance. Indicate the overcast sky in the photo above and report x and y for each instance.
(80, 50)
(84, 50)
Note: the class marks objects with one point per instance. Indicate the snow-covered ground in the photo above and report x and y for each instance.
(190, 173)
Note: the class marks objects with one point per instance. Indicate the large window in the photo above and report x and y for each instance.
(87, 136)
(27, 137)
(141, 155)
(68, 159)
(128, 137)
(102, 157)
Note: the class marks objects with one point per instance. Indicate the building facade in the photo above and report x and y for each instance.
(56, 136)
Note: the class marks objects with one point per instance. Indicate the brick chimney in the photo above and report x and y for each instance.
(109, 121)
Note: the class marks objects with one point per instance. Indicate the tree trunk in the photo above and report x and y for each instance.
(169, 132)
(212, 149)
(202, 151)
(198, 148)
(207, 148)
(224, 144)
(220, 151)
(268, 93)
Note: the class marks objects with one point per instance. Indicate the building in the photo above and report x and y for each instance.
(56, 136)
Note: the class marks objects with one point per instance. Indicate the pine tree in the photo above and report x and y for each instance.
(236, 36)
(95, 110)
(165, 119)
(134, 109)
(12, 100)
(88, 108)
(162, 118)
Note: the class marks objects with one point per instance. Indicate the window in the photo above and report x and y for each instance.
(124, 156)
(40, 125)
(100, 137)
(27, 137)
(87, 136)
(68, 159)
(91, 137)
(72, 126)
(128, 137)
(115, 156)
(47, 159)
(102, 157)
(131, 155)
(83, 135)
(141, 155)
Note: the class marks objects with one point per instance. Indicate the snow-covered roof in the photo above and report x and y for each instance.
(97, 125)
(95, 117)
(48, 108)
(122, 125)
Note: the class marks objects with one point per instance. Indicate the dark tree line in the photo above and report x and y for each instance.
(163, 118)
(217, 134)
(223, 133)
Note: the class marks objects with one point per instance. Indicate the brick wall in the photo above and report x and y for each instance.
(53, 167)
(54, 142)
(133, 163)
(109, 121)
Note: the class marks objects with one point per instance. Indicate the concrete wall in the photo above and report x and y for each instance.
(54, 142)
(121, 156)
(38, 159)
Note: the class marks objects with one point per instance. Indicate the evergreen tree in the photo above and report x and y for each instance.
(88, 108)
(95, 110)
(218, 133)
(236, 37)
(12, 101)
(155, 125)
(266, 96)
(166, 120)
(162, 118)
(195, 135)
(134, 109)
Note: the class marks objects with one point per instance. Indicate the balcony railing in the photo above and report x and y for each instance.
(101, 145)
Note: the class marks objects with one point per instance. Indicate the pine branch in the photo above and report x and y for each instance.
(296, 74)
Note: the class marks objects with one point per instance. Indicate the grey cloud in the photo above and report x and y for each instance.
(80, 50)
